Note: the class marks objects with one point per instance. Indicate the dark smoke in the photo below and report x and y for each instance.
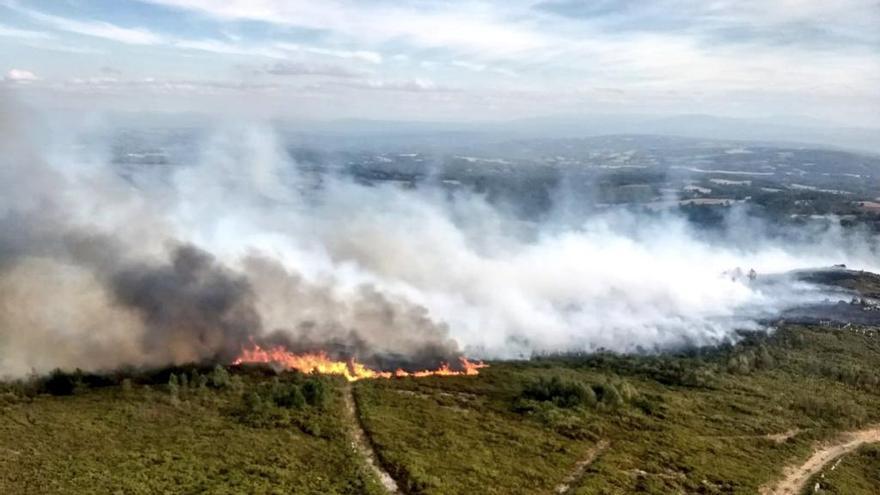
(79, 290)
(192, 307)
(365, 324)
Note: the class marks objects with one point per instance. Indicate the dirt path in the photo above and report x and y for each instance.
(578, 472)
(795, 477)
(363, 445)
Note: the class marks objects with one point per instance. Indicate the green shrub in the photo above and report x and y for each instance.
(842, 412)
(173, 386)
(563, 393)
(609, 395)
(220, 377)
(289, 396)
(314, 392)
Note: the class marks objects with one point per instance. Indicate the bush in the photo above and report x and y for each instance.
(60, 383)
(314, 392)
(609, 395)
(254, 410)
(841, 412)
(236, 384)
(220, 377)
(289, 396)
(563, 393)
(173, 386)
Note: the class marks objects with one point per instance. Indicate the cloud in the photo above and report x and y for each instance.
(11, 32)
(225, 48)
(304, 69)
(743, 58)
(417, 85)
(20, 75)
(470, 27)
(99, 29)
(362, 55)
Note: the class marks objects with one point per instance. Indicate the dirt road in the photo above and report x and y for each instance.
(578, 472)
(363, 446)
(795, 477)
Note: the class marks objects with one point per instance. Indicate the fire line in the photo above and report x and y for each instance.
(319, 362)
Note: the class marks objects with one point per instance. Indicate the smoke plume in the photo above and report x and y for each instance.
(104, 266)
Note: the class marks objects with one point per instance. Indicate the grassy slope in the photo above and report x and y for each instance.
(856, 474)
(692, 424)
(671, 437)
(109, 441)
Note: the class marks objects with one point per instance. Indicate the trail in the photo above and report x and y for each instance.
(577, 473)
(795, 477)
(362, 444)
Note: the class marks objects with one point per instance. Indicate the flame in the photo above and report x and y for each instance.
(319, 362)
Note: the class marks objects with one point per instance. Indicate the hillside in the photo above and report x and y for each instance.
(692, 423)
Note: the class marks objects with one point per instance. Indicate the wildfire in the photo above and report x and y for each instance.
(352, 370)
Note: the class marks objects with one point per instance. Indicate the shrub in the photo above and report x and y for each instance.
(220, 377)
(236, 384)
(563, 393)
(843, 412)
(254, 410)
(739, 364)
(609, 395)
(60, 383)
(173, 386)
(314, 392)
(289, 396)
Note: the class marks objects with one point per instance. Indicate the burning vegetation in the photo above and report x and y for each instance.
(320, 362)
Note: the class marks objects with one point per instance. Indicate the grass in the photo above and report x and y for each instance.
(857, 473)
(690, 423)
(671, 436)
(142, 441)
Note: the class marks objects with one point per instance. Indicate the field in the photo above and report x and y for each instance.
(146, 440)
(726, 421)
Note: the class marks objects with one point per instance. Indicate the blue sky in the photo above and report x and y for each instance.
(451, 60)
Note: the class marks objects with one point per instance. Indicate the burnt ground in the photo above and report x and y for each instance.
(857, 303)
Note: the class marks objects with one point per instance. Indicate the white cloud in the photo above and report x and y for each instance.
(225, 48)
(11, 32)
(468, 27)
(20, 75)
(744, 55)
(362, 55)
(303, 69)
(133, 36)
(416, 85)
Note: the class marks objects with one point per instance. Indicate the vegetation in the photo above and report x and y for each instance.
(854, 474)
(180, 430)
(689, 423)
(726, 420)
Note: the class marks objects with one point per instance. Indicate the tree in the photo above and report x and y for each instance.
(220, 377)
(173, 386)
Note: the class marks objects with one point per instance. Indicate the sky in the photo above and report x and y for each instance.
(448, 60)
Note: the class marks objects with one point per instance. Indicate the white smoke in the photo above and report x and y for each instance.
(386, 266)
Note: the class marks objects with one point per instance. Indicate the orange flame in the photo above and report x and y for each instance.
(351, 370)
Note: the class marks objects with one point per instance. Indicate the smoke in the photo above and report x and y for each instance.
(104, 266)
